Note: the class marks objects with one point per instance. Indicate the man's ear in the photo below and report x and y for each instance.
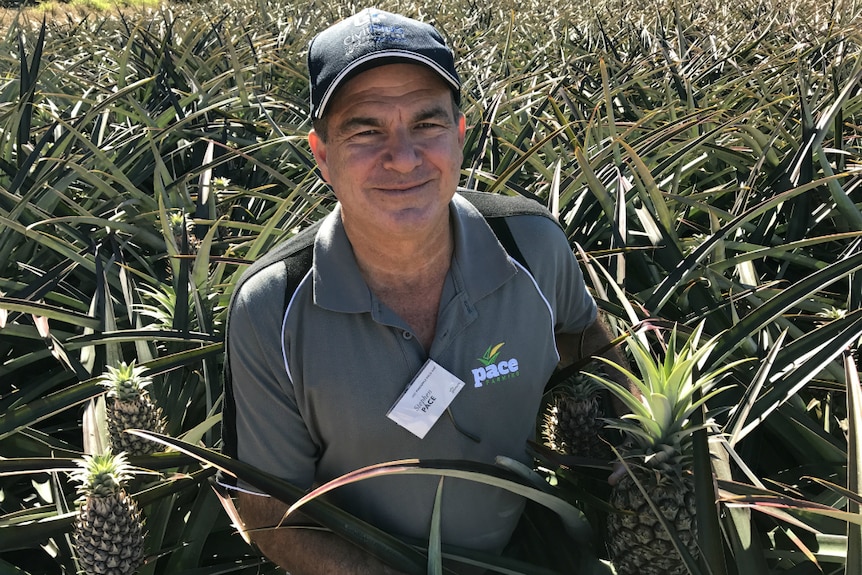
(318, 148)
(462, 129)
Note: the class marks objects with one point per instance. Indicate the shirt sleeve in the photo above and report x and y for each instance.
(553, 264)
(270, 431)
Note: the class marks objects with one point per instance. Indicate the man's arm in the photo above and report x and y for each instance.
(596, 340)
(301, 550)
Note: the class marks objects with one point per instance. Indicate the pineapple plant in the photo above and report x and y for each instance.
(108, 532)
(183, 233)
(573, 420)
(129, 406)
(657, 453)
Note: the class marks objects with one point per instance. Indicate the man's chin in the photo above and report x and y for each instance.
(413, 220)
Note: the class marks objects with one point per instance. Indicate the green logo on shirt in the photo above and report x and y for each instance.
(492, 370)
(491, 354)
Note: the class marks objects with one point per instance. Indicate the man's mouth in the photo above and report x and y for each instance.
(400, 188)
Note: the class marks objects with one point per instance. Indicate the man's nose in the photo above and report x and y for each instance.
(402, 154)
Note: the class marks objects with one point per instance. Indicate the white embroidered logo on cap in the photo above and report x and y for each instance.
(373, 29)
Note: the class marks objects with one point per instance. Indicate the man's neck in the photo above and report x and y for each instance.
(402, 263)
(392, 260)
(407, 275)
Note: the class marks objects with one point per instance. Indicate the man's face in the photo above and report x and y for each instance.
(393, 150)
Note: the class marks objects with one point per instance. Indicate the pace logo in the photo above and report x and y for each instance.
(493, 370)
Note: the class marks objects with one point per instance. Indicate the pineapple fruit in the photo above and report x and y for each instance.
(658, 455)
(573, 420)
(129, 406)
(108, 533)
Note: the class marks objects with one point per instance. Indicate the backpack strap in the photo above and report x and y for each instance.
(296, 266)
(296, 255)
(507, 240)
(497, 207)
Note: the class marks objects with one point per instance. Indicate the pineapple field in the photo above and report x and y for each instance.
(704, 159)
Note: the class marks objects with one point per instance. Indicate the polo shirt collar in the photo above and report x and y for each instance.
(480, 260)
(338, 283)
(479, 269)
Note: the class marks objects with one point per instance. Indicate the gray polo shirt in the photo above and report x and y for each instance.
(313, 383)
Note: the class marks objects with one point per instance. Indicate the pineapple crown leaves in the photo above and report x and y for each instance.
(165, 299)
(177, 221)
(660, 414)
(580, 385)
(101, 475)
(126, 382)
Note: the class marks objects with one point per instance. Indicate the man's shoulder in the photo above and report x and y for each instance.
(285, 260)
(516, 221)
(492, 205)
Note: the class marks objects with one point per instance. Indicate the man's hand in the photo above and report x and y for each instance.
(596, 340)
(617, 473)
(303, 550)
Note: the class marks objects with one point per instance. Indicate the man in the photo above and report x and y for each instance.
(409, 287)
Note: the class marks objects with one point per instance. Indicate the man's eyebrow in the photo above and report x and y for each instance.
(434, 113)
(358, 122)
(355, 122)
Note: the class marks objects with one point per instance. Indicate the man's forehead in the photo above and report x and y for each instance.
(406, 85)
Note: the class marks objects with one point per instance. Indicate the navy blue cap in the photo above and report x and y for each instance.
(369, 39)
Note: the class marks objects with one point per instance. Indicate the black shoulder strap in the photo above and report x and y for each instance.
(296, 253)
(296, 267)
(507, 240)
(497, 207)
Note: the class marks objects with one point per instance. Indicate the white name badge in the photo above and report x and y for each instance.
(425, 399)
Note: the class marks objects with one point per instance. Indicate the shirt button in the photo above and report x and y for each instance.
(406, 334)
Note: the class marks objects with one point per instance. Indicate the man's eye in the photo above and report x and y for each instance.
(365, 133)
